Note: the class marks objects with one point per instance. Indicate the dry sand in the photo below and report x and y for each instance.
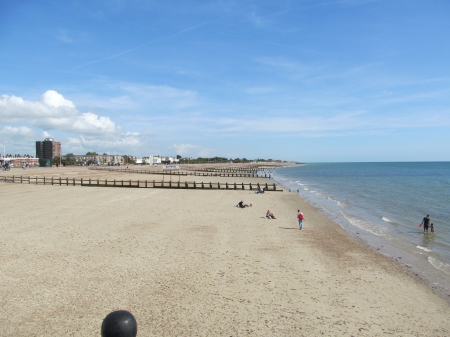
(189, 263)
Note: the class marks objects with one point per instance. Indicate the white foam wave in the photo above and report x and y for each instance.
(361, 225)
(340, 204)
(424, 249)
(444, 267)
(386, 219)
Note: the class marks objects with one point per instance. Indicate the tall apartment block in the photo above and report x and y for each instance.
(48, 149)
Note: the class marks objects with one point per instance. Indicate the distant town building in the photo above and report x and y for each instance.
(104, 159)
(19, 160)
(48, 149)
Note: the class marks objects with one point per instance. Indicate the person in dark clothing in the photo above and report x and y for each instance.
(426, 223)
(242, 205)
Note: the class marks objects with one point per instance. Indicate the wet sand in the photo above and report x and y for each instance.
(189, 263)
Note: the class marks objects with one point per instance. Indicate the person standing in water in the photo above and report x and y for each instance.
(426, 223)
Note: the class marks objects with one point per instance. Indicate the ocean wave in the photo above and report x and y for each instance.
(444, 267)
(423, 248)
(340, 204)
(386, 219)
(362, 225)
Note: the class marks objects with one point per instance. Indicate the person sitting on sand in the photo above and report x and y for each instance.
(269, 215)
(242, 205)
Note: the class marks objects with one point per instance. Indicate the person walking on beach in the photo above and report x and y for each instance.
(300, 218)
(426, 222)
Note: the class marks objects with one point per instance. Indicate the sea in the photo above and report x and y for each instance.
(382, 204)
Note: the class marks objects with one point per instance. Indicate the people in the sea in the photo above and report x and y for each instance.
(242, 205)
(432, 228)
(426, 223)
(269, 215)
(300, 218)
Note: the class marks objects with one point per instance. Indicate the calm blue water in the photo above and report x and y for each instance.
(383, 203)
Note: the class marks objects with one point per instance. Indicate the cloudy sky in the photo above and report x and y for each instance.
(305, 80)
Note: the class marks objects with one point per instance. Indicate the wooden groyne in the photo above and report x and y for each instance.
(231, 173)
(138, 183)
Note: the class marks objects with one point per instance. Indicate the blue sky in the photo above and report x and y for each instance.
(311, 81)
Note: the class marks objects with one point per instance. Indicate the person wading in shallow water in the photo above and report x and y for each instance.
(426, 223)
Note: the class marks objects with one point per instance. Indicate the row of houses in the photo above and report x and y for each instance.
(107, 159)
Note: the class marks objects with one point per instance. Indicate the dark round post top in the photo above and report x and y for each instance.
(120, 323)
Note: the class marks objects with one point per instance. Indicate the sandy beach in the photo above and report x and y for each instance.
(190, 263)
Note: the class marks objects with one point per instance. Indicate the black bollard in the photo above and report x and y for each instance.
(120, 323)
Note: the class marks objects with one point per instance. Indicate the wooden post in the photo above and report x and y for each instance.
(122, 182)
(73, 181)
(242, 185)
(21, 179)
(59, 181)
(274, 186)
(67, 181)
(106, 182)
(235, 187)
(52, 180)
(29, 180)
(81, 182)
(145, 183)
(114, 182)
(138, 184)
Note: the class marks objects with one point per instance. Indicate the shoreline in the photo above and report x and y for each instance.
(435, 279)
(188, 262)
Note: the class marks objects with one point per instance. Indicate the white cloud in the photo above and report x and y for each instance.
(22, 131)
(162, 96)
(258, 21)
(56, 115)
(191, 150)
(53, 111)
(63, 35)
(52, 98)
